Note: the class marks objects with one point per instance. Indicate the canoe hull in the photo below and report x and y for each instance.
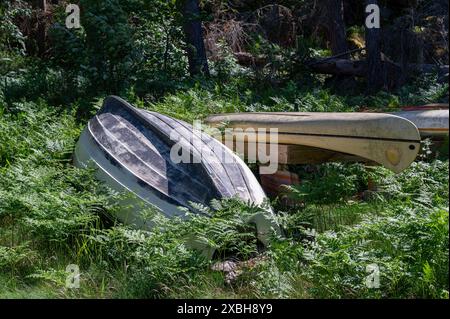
(385, 139)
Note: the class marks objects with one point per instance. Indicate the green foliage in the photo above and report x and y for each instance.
(424, 184)
(11, 38)
(12, 41)
(52, 214)
(30, 130)
(404, 232)
(330, 183)
(16, 258)
(410, 247)
(119, 45)
(47, 199)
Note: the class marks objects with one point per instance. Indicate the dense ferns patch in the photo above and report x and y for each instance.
(53, 214)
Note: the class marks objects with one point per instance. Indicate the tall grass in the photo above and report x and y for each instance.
(403, 231)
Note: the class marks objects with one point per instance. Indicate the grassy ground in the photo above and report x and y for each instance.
(53, 215)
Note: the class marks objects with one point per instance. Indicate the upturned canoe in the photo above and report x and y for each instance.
(385, 139)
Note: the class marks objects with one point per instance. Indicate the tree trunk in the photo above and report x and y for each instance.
(376, 73)
(41, 32)
(336, 26)
(337, 36)
(196, 53)
(40, 4)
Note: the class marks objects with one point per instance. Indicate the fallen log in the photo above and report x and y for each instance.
(359, 68)
(247, 59)
(339, 67)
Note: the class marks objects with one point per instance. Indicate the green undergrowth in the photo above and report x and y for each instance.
(53, 215)
(198, 100)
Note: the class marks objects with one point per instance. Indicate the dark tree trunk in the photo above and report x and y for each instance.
(196, 53)
(336, 26)
(376, 73)
(41, 32)
(40, 4)
(337, 36)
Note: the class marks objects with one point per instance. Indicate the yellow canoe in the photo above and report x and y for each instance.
(385, 139)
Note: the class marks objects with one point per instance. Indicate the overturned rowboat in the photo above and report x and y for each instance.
(389, 140)
(164, 163)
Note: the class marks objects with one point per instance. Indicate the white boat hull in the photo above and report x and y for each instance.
(129, 149)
